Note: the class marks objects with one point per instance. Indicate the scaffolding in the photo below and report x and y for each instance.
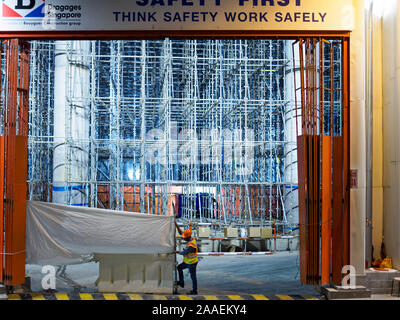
(195, 128)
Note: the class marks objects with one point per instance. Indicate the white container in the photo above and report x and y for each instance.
(204, 232)
(266, 233)
(254, 232)
(230, 232)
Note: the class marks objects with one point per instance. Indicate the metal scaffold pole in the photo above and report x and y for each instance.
(196, 127)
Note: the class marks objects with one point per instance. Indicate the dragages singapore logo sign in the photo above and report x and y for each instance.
(41, 13)
(23, 8)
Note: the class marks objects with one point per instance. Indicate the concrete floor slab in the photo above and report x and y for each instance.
(275, 274)
(274, 277)
(265, 275)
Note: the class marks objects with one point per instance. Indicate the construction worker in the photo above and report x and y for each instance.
(190, 259)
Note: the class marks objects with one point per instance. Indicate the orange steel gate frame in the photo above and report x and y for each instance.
(324, 247)
(13, 162)
(323, 166)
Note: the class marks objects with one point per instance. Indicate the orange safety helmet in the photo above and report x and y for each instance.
(186, 233)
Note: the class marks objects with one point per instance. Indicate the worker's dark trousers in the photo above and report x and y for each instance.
(192, 271)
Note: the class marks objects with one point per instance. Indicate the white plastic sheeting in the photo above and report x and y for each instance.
(60, 235)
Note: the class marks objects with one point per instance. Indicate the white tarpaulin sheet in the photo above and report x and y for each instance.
(59, 234)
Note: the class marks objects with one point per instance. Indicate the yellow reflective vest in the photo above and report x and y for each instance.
(191, 258)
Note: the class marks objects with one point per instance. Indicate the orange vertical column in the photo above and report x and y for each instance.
(15, 160)
(11, 83)
(346, 149)
(326, 210)
(303, 204)
(337, 210)
(21, 167)
(18, 232)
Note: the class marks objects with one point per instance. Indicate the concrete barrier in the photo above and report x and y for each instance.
(138, 273)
